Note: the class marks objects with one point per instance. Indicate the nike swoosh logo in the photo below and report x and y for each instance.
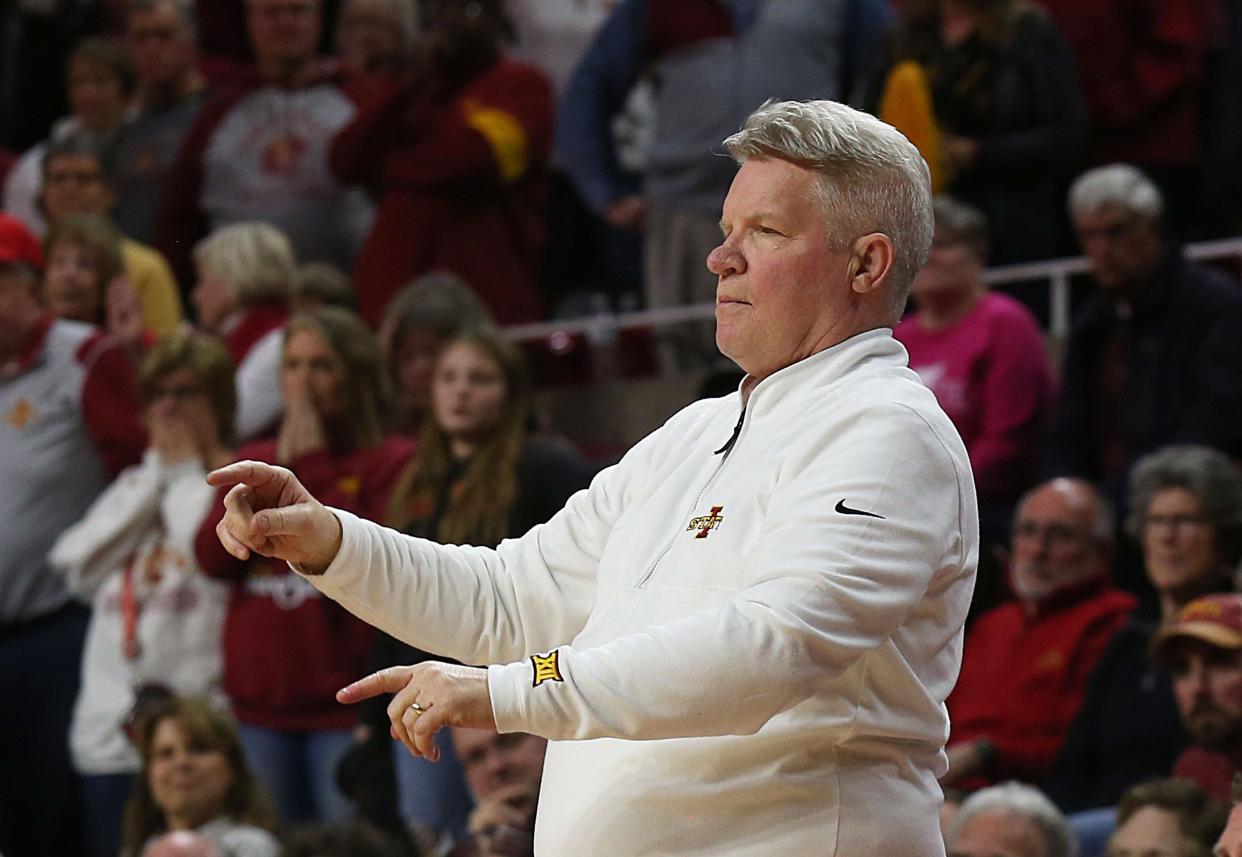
(846, 510)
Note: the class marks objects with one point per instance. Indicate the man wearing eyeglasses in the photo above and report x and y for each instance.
(1026, 663)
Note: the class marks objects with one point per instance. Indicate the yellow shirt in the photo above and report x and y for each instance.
(157, 289)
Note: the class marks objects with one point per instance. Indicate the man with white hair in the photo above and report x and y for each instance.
(739, 639)
(1153, 357)
(1010, 820)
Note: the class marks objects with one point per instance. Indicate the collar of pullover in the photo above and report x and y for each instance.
(784, 388)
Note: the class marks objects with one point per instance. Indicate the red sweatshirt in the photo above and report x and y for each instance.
(460, 175)
(287, 650)
(1023, 677)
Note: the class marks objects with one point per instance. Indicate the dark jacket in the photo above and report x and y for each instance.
(1016, 95)
(1184, 372)
(1127, 730)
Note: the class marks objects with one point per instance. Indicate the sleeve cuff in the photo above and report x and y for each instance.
(508, 684)
(346, 555)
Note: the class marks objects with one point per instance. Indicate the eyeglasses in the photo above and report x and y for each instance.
(1114, 231)
(1174, 522)
(1058, 535)
(181, 393)
(290, 8)
(58, 177)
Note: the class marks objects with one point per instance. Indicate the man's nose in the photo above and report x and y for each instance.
(726, 261)
(1197, 675)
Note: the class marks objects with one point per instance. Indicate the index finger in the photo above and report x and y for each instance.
(388, 680)
(253, 473)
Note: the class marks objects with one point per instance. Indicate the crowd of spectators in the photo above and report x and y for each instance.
(294, 230)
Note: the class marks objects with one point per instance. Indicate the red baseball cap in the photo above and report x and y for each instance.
(1213, 619)
(18, 243)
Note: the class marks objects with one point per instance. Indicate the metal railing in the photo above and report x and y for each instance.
(1055, 272)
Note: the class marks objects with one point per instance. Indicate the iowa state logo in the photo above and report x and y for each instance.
(706, 523)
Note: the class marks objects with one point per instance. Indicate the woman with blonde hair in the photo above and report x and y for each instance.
(286, 649)
(245, 274)
(194, 777)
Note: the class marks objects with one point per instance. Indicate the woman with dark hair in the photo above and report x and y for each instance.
(1186, 515)
(286, 649)
(157, 619)
(1008, 116)
(479, 477)
(194, 777)
(421, 318)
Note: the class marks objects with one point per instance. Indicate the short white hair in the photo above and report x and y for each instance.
(1025, 802)
(255, 260)
(1118, 185)
(872, 179)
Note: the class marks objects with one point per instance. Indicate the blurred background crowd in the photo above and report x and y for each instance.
(445, 259)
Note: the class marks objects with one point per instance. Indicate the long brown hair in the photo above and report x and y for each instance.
(369, 402)
(209, 728)
(478, 508)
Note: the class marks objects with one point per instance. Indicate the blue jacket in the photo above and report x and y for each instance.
(714, 62)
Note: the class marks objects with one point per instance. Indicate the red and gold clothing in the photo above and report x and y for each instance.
(1024, 676)
(287, 650)
(460, 174)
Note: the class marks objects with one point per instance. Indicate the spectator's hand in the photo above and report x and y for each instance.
(959, 152)
(123, 312)
(301, 428)
(173, 437)
(965, 760)
(1230, 842)
(627, 213)
(512, 805)
(267, 511)
(449, 695)
(505, 841)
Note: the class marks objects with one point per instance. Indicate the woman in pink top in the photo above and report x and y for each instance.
(983, 355)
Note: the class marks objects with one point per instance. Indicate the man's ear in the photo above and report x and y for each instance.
(871, 262)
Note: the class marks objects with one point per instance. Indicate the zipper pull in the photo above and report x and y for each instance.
(737, 429)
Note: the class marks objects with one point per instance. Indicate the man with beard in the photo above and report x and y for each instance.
(1203, 651)
(456, 154)
(1026, 663)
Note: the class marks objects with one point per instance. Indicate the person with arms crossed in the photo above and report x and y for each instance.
(739, 639)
